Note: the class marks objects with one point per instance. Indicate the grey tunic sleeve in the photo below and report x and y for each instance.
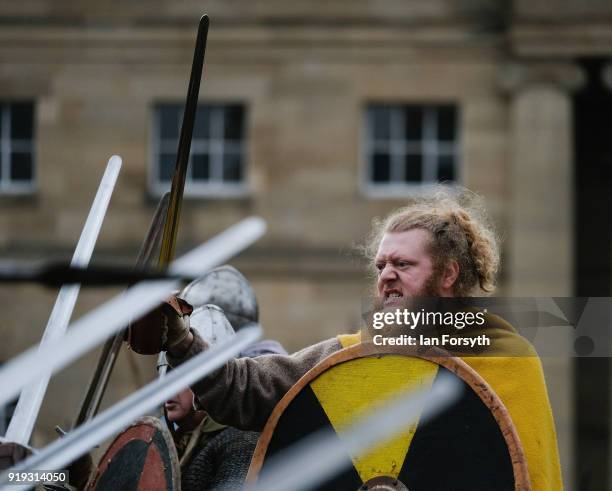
(244, 391)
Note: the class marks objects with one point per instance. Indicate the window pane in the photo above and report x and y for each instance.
(166, 166)
(232, 167)
(446, 123)
(381, 167)
(169, 121)
(446, 168)
(217, 145)
(413, 123)
(201, 130)
(414, 168)
(233, 122)
(380, 122)
(200, 167)
(401, 135)
(21, 166)
(22, 117)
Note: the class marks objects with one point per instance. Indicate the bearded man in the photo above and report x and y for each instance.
(438, 246)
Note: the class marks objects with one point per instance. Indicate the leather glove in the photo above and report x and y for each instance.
(162, 328)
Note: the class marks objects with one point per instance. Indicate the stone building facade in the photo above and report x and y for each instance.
(326, 93)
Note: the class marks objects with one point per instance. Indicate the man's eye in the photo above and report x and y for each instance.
(402, 264)
(380, 267)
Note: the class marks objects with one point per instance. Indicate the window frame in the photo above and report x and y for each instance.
(217, 189)
(9, 186)
(398, 148)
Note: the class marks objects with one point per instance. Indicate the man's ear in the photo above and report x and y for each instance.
(451, 273)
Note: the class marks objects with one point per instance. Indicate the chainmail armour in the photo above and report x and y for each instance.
(220, 462)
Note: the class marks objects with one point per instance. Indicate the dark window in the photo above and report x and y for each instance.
(446, 123)
(217, 157)
(16, 147)
(201, 166)
(232, 166)
(167, 161)
(408, 144)
(414, 168)
(446, 168)
(413, 123)
(381, 170)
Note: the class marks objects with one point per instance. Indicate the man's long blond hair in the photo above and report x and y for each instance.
(460, 230)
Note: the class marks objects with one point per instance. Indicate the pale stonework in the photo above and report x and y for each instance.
(305, 73)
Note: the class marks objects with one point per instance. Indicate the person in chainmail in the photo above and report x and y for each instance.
(213, 456)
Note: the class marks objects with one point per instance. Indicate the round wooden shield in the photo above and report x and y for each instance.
(141, 458)
(471, 445)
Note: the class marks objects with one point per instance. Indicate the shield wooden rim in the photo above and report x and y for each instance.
(435, 355)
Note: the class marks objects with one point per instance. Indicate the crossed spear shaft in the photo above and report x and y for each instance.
(30, 400)
(170, 206)
(111, 317)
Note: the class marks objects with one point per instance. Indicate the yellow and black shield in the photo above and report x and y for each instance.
(471, 445)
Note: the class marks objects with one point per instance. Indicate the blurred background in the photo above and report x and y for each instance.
(318, 116)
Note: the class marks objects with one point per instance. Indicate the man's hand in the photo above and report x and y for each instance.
(162, 329)
(179, 349)
(175, 314)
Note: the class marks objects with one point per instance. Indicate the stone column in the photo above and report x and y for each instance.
(539, 248)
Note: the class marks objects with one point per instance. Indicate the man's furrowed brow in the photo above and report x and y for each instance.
(383, 257)
(394, 256)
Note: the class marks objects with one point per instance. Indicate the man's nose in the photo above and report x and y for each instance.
(388, 273)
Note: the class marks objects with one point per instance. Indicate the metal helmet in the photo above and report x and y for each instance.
(227, 288)
(211, 324)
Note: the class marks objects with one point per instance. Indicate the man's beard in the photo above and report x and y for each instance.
(431, 288)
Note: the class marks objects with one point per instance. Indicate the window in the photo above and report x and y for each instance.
(217, 158)
(410, 145)
(16, 147)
